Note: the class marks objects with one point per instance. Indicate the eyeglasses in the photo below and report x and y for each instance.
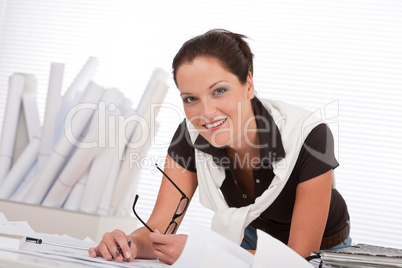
(181, 208)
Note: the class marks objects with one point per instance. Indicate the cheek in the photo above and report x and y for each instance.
(192, 114)
(232, 109)
(188, 111)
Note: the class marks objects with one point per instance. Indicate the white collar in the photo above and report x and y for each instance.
(294, 125)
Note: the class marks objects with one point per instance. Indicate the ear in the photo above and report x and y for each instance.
(250, 86)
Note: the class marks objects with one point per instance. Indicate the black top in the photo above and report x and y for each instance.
(315, 158)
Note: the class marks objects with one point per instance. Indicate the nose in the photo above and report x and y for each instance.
(208, 109)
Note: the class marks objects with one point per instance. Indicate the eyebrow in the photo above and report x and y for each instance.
(210, 87)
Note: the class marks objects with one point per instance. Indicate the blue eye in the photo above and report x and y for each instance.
(189, 99)
(220, 91)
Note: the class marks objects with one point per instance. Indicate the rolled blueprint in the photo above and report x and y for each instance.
(15, 89)
(112, 173)
(73, 201)
(104, 203)
(22, 137)
(157, 95)
(22, 166)
(148, 96)
(125, 202)
(77, 165)
(82, 157)
(74, 92)
(53, 101)
(20, 169)
(31, 113)
(80, 82)
(79, 115)
(100, 168)
(97, 180)
(25, 185)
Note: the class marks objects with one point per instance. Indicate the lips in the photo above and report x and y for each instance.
(215, 124)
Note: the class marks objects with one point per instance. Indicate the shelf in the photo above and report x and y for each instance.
(58, 221)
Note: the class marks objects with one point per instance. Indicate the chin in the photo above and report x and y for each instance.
(218, 140)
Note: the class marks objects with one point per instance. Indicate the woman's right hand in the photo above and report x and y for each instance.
(108, 247)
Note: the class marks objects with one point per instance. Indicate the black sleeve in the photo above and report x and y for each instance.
(180, 149)
(317, 155)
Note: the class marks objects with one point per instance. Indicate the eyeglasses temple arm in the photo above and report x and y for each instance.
(138, 217)
(174, 184)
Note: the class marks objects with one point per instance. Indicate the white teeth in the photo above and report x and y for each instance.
(215, 124)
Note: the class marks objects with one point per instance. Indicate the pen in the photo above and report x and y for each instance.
(35, 240)
(118, 250)
(40, 241)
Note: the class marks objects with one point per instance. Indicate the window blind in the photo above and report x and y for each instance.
(342, 59)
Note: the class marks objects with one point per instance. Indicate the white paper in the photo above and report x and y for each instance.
(273, 253)
(15, 89)
(64, 257)
(63, 247)
(53, 101)
(219, 257)
(16, 228)
(200, 246)
(3, 218)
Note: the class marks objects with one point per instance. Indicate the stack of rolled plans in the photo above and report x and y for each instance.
(79, 158)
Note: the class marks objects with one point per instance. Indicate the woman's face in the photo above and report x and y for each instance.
(215, 101)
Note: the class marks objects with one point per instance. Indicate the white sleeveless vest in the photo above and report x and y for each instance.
(294, 125)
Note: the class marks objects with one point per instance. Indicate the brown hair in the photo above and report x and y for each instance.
(229, 48)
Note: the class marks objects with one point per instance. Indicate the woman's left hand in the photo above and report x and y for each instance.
(167, 248)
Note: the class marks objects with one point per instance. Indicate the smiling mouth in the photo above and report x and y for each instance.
(215, 124)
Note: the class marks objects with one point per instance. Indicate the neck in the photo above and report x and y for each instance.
(247, 140)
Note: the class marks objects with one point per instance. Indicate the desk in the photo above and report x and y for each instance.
(17, 259)
(20, 260)
(58, 221)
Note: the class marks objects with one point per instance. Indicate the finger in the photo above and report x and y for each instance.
(157, 237)
(162, 257)
(111, 246)
(103, 251)
(92, 252)
(171, 251)
(123, 247)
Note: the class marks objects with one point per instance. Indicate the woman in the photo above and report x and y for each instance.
(259, 164)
